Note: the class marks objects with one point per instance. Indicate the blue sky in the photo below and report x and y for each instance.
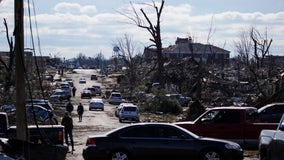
(67, 28)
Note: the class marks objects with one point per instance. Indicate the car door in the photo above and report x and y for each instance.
(141, 142)
(175, 144)
(222, 124)
(159, 142)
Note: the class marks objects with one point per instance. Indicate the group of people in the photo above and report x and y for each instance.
(67, 120)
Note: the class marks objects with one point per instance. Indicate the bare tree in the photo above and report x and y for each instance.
(261, 46)
(243, 47)
(153, 27)
(128, 53)
(253, 47)
(100, 60)
(8, 66)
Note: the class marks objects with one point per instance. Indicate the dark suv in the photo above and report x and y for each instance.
(271, 113)
(94, 77)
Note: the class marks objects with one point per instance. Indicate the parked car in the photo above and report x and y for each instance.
(3, 146)
(93, 91)
(158, 141)
(86, 94)
(271, 143)
(98, 89)
(94, 77)
(8, 108)
(238, 124)
(119, 107)
(115, 98)
(129, 113)
(183, 101)
(70, 81)
(58, 95)
(65, 86)
(42, 102)
(271, 113)
(43, 134)
(96, 103)
(40, 113)
(82, 80)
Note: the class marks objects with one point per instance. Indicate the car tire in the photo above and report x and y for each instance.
(210, 154)
(119, 155)
(120, 120)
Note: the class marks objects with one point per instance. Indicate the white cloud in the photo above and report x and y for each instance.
(74, 28)
(75, 8)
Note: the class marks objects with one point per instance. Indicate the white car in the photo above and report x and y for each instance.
(82, 80)
(129, 113)
(120, 106)
(96, 103)
(65, 86)
(115, 98)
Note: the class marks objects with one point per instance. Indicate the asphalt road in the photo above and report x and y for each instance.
(99, 122)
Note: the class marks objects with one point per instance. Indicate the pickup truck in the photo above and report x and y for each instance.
(271, 142)
(43, 134)
(238, 124)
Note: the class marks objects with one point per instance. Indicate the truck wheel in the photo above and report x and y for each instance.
(210, 154)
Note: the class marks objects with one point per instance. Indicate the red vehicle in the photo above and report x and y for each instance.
(238, 124)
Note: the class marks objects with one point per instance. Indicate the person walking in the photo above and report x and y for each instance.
(74, 91)
(67, 122)
(50, 119)
(69, 107)
(80, 111)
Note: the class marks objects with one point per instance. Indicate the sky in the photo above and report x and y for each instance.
(66, 28)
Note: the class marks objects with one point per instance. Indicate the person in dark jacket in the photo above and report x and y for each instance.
(80, 111)
(67, 122)
(74, 91)
(69, 107)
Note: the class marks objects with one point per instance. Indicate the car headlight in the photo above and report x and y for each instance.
(233, 146)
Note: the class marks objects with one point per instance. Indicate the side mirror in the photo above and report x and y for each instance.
(281, 127)
(281, 124)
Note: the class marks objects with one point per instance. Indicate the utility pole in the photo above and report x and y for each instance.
(21, 122)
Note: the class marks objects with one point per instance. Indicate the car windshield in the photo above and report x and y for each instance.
(58, 93)
(116, 95)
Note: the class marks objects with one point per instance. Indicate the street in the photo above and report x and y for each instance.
(94, 122)
(98, 122)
